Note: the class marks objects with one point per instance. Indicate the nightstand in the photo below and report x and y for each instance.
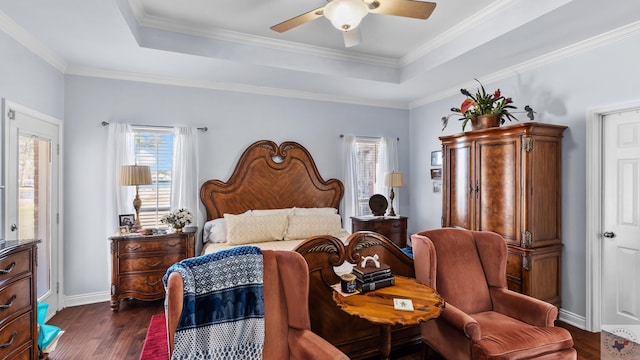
(393, 227)
(140, 262)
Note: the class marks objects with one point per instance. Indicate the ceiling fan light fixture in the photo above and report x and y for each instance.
(346, 14)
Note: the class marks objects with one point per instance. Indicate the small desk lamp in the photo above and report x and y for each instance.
(393, 179)
(134, 175)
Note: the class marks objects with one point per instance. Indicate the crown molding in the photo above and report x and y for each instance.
(20, 35)
(619, 34)
(223, 86)
(159, 23)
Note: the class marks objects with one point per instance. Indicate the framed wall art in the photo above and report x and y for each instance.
(436, 158)
(437, 187)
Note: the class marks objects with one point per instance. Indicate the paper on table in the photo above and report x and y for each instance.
(403, 304)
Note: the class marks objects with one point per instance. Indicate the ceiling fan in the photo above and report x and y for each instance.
(345, 15)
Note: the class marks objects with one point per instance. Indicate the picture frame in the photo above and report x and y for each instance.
(437, 187)
(127, 220)
(436, 158)
(123, 230)
(436, 174)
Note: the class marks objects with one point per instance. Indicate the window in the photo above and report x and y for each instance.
(154, 147)
(367, 165)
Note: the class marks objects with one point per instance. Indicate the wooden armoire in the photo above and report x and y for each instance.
(508, 180)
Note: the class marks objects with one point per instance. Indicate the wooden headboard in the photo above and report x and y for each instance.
(269, 176)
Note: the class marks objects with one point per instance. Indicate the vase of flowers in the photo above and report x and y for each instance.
(484, 109)
(177, 219)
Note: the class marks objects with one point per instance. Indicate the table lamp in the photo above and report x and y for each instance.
(134, 175)
(393, 179)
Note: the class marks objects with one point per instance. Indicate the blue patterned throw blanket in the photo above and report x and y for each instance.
(223, 311)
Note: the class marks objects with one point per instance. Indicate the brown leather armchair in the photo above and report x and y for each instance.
(482, 318)
(286, 312)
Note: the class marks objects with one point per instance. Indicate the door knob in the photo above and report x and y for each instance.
(609, 234)
(14, 227)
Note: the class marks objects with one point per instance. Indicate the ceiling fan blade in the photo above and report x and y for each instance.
(406, 8)
(298, 20)
(352, 37)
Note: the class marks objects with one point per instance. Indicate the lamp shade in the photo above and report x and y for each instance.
(345, 14)
(393, 180)
(135, 175)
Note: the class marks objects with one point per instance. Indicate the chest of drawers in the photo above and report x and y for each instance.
(394, 228)
(140, 262)
(18, 301)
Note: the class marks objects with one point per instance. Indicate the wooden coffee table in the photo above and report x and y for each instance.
(377, 307)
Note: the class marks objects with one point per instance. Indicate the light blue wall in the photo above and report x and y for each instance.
(235, 120)
(562, 92)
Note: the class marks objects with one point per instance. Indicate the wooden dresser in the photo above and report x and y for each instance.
(393, 228)
(140, 262)
(18, 300)
(509, 180)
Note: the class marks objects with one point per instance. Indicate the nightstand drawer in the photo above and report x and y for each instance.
(152, 263)
(14, 265)
(146, 245)
(15, 297)
(15, 334)
(143, 284)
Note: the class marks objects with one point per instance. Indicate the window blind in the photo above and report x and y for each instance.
(154, 147)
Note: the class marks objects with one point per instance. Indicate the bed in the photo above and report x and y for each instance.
(273, 181)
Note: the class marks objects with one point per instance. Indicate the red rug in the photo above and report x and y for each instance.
(156, 345)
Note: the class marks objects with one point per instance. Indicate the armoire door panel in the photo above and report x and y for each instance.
(542, 192)
(498, 178)
(458, 169)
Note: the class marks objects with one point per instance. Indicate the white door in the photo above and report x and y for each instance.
(32, 191)
(621, 225)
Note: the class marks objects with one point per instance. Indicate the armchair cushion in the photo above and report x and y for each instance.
(508, 338)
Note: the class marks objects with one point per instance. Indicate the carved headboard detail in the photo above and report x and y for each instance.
(269, 176)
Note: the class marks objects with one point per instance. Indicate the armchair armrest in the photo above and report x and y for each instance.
(304, 345)
(461, 321)
(522, 307)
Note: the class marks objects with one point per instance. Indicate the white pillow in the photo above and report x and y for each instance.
(287, 211)
(304, 226)
(215, 231)
(315, 211)
(254, 229)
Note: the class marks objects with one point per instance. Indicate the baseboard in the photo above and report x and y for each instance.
(85, 299)
(573, 319)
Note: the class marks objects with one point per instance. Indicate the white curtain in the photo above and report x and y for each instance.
(184, 182)
(387, 162)
(120, 151)
(350, 171)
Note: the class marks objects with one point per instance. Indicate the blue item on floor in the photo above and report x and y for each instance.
(408, 251)
(47, 333)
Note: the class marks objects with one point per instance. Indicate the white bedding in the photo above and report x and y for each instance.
(210, 247)
(277, 229)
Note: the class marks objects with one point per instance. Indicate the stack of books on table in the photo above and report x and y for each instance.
(371, 278)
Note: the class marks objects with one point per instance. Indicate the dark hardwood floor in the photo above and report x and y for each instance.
(95, 332)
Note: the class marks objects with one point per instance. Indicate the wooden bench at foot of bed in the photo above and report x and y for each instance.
(354, 336)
